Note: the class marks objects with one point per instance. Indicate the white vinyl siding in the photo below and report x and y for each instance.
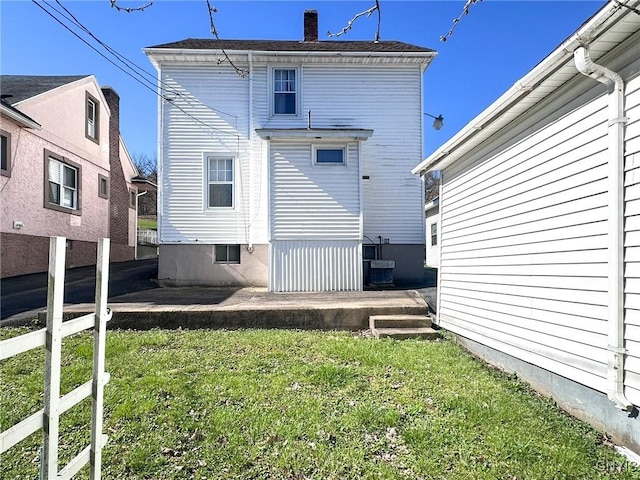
(311, 266)
(313, 201)
(208, 117)
(368, 97)
(524, 247)
(632, 240)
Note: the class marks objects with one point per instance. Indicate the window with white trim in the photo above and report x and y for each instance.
(434, 234)
(92, 118)
(219, 182)
(63, 183)
(329, 155)
(228, 254)
(285, 89)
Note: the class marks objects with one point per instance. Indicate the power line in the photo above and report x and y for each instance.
(126, 72)
(128, 63)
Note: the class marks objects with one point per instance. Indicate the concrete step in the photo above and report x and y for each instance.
(426, 333)
(399, 321)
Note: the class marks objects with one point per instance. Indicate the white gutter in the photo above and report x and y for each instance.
(617, 121)
(21, 119)
(468, 136)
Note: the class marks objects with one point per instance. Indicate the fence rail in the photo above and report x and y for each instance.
(51, 338)
(147, 236)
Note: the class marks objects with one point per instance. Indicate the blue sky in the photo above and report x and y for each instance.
(491, 48)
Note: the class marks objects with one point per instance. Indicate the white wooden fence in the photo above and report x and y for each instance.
(51, 338)
(147, 236)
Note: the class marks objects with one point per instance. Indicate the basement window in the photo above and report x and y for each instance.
(227, 254)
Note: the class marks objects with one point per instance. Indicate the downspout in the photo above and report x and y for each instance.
(616, 124)
(250, 248)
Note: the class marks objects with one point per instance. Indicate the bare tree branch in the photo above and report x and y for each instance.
(240, 71)
(465, 11)
(114, 4)
(366, 13)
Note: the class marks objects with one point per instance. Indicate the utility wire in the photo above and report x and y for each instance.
(128, 73)
(137, 69)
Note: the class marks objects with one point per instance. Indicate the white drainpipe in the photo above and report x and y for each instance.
(617, 121)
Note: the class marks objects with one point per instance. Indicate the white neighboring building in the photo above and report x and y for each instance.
(432, 229)
(277, 177)
(540, 225)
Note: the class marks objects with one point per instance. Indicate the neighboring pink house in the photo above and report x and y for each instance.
(65, 172)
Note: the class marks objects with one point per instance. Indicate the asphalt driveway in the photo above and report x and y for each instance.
(22, 295)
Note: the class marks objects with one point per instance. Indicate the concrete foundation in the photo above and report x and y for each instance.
(191, 265)
(581, 402)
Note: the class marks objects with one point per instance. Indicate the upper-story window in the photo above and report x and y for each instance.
(92, 118)
(285, 90)
(220, 182)
(5, 153)
(63, 183)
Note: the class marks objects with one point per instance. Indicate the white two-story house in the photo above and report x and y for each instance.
(287, 164)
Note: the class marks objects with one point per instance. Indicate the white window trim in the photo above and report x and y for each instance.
(343, 147)
(234, 182)
(271, 85)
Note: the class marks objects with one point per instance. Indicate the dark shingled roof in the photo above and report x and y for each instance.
(295, 46)
(21, 87)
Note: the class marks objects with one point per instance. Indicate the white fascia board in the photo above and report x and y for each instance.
(589, 33)
(159, 55)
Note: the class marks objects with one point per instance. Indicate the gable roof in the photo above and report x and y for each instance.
(18, 116)
(21, 87)
(614, 23)
(294, 46)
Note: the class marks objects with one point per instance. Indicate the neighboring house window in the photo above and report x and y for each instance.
(329, 155)
(132, 198)
(103, 186)
(285, 91)
(92, 118)
(434, 234)
(5, 153)
(227, 253)
(220, 182)
(62, 183)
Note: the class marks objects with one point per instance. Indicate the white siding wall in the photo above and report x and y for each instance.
(385, 99)
(524, 248)
(329, 265)
(216, 100)
(382, 98)
(433, 251)
(632, 241)
(313, 202)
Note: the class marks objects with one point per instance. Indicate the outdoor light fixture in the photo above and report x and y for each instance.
(437, 122)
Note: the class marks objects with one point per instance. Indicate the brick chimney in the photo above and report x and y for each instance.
(310, 25)
(118, 190)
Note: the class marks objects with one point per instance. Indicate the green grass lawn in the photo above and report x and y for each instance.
(295, 405)
(148, 223)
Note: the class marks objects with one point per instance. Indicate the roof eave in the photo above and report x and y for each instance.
(448, 153)
(19, 117)
(159, 52)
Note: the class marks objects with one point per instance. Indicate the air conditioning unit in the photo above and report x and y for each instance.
(381, 272)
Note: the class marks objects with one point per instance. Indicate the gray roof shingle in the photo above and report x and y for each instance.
(21, 87)
(295, 46)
